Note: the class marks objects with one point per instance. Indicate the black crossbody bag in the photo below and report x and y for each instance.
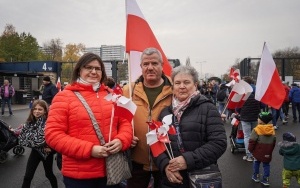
(209, 177)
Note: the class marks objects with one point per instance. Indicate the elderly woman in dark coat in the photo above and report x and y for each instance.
(200, 138)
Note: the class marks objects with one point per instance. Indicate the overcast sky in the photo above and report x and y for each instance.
(215, 31)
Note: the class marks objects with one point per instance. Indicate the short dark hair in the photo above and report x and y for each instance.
(84, 60)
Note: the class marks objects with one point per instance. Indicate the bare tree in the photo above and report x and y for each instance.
(53, 49)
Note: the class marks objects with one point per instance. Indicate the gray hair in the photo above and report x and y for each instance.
(150, 51)
(187, 70)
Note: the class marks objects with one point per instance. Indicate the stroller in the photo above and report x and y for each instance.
(8, 140)
(237, 135)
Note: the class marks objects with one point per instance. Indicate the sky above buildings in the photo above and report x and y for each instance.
(212, 33)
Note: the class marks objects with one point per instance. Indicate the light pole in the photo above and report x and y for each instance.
(201, 68)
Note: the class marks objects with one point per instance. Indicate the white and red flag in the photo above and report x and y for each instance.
(235, 75)
(235, 122)
(269, 88)
(157, 147)
(58, 84)
(124, 107)
(239, 94)
(139, 36)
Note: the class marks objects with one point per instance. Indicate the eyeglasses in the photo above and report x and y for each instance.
(91, 68)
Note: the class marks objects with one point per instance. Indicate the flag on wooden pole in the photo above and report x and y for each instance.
(139, 36)
(269, 88)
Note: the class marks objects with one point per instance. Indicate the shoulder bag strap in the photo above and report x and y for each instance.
(91, 114)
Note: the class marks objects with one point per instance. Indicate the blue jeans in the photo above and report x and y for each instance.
(247, 129)
(8, 101)
(266, 167)
(275, 114)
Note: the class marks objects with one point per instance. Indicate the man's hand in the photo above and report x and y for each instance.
(134, 141)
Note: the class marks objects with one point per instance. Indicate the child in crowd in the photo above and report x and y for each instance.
(290, 150)
(261, 145)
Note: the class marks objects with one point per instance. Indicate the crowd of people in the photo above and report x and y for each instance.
(60, 123)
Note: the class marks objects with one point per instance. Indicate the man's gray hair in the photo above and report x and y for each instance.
(150, 51)
(187, 70)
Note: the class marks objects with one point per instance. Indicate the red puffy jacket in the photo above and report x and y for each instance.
(69, 130)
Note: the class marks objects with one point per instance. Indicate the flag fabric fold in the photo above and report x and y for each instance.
(157, 147)
(235, 75)
(269, 88)
(58, 84)
(239, 94)
(124, 107)
(139, 36)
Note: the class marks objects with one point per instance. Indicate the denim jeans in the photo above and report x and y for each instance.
(247, 129)
(266, 167)
(275, 114)
(8, 101)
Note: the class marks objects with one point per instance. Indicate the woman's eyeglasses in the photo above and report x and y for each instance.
(91, 68)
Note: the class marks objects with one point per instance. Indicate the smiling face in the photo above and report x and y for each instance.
(183, 86)
(38, 111)
(91, 72)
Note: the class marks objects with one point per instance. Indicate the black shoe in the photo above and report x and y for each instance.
(294, 121)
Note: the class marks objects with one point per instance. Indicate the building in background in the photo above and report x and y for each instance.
(112, 52)
(95, 50)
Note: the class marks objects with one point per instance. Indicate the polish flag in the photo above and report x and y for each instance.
(239, 94)
(235, 75)
(269, 88)
(124, 107)
(139, 36)
(156, 146)
(235, 122)
(58, 84)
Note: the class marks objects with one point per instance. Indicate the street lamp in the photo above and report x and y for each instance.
(201, 77)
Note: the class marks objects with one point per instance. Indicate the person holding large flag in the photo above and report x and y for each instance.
(70, 131)
(151, 92)
(200, 138)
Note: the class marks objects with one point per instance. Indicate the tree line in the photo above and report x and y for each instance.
(23, 46)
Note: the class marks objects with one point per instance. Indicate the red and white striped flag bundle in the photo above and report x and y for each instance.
(158, 136)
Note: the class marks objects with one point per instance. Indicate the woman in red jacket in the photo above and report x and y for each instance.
(69, 129)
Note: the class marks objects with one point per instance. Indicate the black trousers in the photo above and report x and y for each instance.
(33, 162)
(141, 178)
